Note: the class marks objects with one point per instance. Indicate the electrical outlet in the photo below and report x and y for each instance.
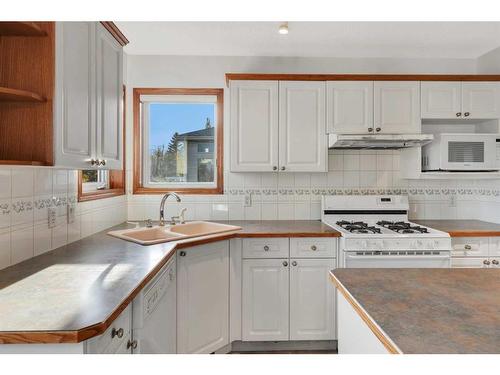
(52, 217)
(453, 200)
(248, 200)
(70, 213)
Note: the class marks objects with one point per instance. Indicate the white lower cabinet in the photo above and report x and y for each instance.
(203, 298)
(311, 300)
(265, 300)
(475, 252)
(290, 298)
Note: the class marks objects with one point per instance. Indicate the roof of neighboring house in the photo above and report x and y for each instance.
(207, 132)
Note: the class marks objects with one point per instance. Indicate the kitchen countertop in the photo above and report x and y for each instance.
(76, 291)
(463, 228)
(427, 310)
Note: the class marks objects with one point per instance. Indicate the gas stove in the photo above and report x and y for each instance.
(376, 229)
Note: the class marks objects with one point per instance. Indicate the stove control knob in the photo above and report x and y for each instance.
(420, 244)
(363, 244)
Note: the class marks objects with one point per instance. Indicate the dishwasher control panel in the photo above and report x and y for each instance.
(154, 294)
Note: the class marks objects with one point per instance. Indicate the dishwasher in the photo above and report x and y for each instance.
(154, 315)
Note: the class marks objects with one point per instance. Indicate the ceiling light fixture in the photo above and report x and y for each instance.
(283, 30)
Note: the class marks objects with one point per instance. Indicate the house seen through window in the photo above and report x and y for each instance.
(180, 141)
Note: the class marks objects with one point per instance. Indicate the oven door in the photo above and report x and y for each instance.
(352, 260)
(468, 153)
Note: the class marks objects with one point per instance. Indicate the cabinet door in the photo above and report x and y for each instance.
(203, 298)
(74, 110)
(312, 303)
(441, 100)
(470, 262)
(349, 107)
(302, 127)
(265, 300)
(254, 126)
(481, 100)
(109, 99)
(397, 107)
(494, 246)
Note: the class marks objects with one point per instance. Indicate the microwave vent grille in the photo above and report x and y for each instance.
(465, 152)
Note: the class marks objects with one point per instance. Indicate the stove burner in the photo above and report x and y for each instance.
(402, 227)
(358, 227)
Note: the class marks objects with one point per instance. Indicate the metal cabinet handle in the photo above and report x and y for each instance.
(275, 168)
(314, 248)
(294, 263)
(283, 168)
(370, 130)
(466, 114)
(266, 248)
(103, 162)
(94, 161)
(467, 247)
(378, 129)
(495, 262)
(117, 332)
(486, 262)
(182, 253)
(285, 263)
(459, 114)
(132, 344)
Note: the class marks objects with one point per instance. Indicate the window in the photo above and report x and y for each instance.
(178, 140)
(94, 180)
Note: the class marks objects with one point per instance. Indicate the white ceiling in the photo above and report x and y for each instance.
(318, 39)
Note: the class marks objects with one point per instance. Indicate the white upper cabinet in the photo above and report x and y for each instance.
(278, 126)
(396, 107)
(441, 100)
(254, 126)
(88, 97)
(481, 100)
(463, 100)
(349, 107)
(302, 128)
(74, 110)
(109, 99)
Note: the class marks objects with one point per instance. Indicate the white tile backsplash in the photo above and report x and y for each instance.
(25, 195)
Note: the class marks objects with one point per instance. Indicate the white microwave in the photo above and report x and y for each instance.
(462, 152)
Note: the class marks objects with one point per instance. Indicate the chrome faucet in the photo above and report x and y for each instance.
(162, 206)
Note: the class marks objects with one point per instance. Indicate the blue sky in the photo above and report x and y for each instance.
(166, 119)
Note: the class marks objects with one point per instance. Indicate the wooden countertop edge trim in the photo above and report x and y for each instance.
(372, 325)
(360, 77)
(471, 233)
(73, 337)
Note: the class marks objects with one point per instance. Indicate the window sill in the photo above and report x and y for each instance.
(187, 191)
(100, 194)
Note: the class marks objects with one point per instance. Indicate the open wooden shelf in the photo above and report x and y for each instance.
(21, 29)
(14, 95)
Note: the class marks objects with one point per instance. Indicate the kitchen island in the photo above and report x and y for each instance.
(418, 311)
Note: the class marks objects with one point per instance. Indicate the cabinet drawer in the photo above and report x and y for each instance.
(109, 342)
(467, 246)
(469, 262)
(266, 248)
(494, 247)
(313, 247)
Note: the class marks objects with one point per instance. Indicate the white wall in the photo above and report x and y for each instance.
(297, 195)
(489, 63)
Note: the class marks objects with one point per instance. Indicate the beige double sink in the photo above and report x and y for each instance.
(159, 234)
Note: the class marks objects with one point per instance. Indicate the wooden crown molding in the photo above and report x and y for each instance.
(116, 32)
(359, 77)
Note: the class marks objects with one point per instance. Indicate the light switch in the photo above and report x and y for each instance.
(248, 200)
(52, 217)
(71, 213)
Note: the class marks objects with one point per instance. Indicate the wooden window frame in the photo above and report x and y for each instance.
(138, 187)
(116, 177)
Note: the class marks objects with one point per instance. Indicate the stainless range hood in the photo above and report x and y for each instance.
(378, 141)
